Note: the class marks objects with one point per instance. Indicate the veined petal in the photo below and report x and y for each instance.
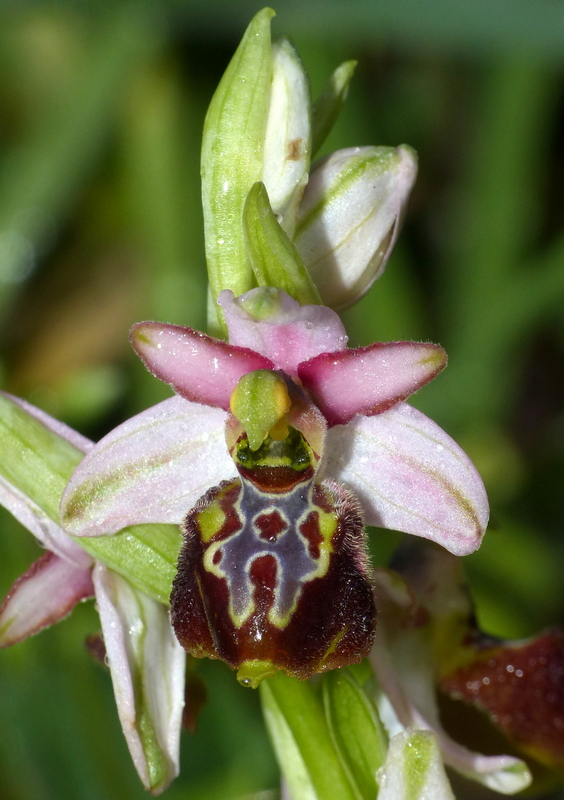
(43, 595)
(410, 476)
(152, 468)
(414, 769)
(369, 380)
(198, 367)
(270, 322)
(147, 667)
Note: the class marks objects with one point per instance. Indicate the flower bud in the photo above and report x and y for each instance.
(287, 141)
(349, 218)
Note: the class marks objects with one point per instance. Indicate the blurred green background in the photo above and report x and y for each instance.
(101, 111)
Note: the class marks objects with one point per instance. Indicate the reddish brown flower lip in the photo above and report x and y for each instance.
(520, 686)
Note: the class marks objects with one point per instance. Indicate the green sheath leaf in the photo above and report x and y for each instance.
(273, 257)
(301, 738)
(328, 105)
(356, 729)
(37, 462)
(232, 155)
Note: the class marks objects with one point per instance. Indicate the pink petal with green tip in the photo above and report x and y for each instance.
(198, 367)
(153, 468)
(410, 476)
(291, 333)
(369, 380)
(43, 595)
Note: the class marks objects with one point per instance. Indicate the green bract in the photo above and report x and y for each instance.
(258, 130)
(232, 155)
(274, 258)
(328, 105)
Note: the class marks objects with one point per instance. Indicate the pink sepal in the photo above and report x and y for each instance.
(153, 468)
(410, 476)
(198, 367)
(290, 334)
(369, 380)
(43, 595)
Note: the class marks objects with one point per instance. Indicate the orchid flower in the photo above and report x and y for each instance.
(377, 458)
(427, 638)
(145, 660)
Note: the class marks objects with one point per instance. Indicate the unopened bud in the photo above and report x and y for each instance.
(349, 218)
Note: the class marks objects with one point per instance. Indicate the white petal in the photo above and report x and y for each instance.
(147, 667)
(51, 535)
(349, 218)
(153, 468)
(286, 151)
(410, 476)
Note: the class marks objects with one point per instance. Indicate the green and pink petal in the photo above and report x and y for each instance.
(153, 468)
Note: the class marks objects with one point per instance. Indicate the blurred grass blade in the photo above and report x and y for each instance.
(301, 739)
(40, 177)
(163, 185)
(355, 728)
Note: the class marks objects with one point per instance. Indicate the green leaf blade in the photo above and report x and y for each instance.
(232, 150)
(356, 730)
(302, 741)
(273, 256)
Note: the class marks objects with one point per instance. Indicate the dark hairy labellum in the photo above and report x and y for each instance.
(275, 578)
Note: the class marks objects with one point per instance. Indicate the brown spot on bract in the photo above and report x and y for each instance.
(295, 150)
